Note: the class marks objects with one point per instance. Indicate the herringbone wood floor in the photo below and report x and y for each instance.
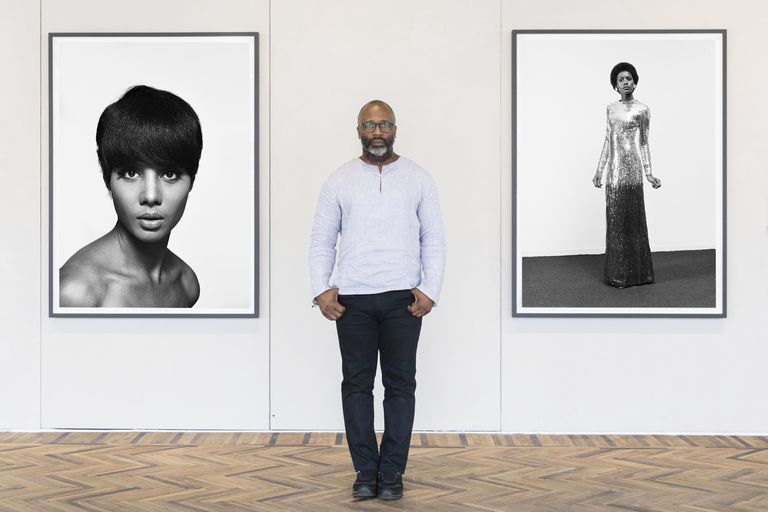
(194, 472)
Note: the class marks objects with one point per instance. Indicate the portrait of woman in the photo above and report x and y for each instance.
(148, 145)
(626, 161)
(566, 260)
(140, 218)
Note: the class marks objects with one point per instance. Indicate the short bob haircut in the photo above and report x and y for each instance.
(150, 128)
(623, 66)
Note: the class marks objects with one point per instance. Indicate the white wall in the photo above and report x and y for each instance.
(652, 375)
(446, 67)
(20, 300)
(438, 68)
(159, 373)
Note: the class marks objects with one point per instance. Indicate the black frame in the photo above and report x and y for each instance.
(516, 279)
(255, 310)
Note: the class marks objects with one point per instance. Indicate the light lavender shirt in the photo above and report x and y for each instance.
(391, 231)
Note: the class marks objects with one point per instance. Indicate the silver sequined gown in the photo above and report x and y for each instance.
(626, 158)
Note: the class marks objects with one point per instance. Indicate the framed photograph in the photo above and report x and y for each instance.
(153, 174)
(619, 173)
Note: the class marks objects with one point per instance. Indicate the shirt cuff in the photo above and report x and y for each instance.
(429, 293)
(317, 291)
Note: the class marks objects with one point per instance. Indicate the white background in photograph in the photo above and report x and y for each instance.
(215, 75)
(563, 89)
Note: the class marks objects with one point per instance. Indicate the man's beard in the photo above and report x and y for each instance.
(378, 153)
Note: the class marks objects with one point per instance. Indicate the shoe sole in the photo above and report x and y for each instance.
(364, 493)
(389, 496)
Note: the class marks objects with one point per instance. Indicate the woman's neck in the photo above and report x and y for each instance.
(143, 258)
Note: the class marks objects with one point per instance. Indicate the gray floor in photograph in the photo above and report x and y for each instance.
(684, 279)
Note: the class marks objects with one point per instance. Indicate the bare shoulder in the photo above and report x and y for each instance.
(185, 276)
(81, 283)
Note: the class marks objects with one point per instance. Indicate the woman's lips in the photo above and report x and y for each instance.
(150, 221)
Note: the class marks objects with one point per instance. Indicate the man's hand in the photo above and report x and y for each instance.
(329, 304)
(423, 304)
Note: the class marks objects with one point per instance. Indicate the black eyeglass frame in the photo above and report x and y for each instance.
(372, 126)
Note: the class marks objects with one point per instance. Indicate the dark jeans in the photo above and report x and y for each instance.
(371, 325)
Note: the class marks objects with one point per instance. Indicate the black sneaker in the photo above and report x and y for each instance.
(390, 486)
(365, 485)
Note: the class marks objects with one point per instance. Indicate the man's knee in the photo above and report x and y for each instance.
(360, 382)
(401, 385)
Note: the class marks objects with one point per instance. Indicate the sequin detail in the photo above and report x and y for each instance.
(626, 158)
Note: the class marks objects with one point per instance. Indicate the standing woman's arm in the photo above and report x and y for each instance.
(597, 180)
(645, 151)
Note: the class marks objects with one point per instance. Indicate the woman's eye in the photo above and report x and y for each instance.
(170, 175)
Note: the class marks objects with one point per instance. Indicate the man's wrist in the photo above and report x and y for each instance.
(427, 293)
(316, 300)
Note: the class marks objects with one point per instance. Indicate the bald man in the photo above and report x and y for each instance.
(391, 256)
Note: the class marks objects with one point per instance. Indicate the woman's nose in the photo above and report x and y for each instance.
(150, 192)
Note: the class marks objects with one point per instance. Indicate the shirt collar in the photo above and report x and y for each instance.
(384, 169)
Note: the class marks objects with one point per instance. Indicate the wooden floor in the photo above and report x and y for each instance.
(195, 472)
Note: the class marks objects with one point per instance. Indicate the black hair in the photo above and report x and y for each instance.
(623, 66)
(150, 127)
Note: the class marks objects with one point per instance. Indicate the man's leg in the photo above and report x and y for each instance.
(398, 339)
(358, 341)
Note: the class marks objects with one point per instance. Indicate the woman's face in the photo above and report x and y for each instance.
(625, 83)
(149, 202)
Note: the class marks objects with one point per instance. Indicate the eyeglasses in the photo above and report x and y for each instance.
(384, 126)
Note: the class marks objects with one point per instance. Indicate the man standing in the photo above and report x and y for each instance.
(391, 256)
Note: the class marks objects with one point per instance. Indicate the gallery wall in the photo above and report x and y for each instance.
(445, 66)
(652, 375)
(171, 373)
(20, 299)
(445, 93)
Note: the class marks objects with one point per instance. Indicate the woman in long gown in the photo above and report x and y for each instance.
(625, 159)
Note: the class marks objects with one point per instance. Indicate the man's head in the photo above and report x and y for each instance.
(149, 127)
(377, 129)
